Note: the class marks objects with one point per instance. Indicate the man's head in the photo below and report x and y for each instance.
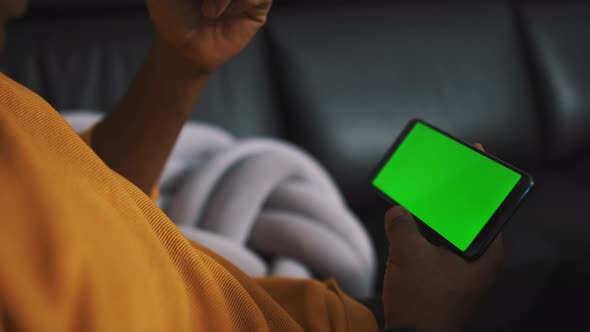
(10, 9)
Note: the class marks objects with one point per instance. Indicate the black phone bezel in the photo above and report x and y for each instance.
(494, 225)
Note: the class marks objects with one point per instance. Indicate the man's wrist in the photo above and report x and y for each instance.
(168, 60)
(177, 80)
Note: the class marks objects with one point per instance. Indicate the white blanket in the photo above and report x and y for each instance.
(264, 205)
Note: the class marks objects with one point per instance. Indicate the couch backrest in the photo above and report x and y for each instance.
(354, 76)
(341, 77)
(79, 57)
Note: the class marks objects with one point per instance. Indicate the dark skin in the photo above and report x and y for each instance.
(193, 38)
(429, 288)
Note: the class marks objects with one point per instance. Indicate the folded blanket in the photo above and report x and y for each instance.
(264, 205)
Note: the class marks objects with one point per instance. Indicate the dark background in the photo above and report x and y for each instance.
(342, 78)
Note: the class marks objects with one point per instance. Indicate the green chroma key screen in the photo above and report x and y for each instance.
(448, 186)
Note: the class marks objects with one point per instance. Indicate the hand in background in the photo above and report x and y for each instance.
(193, 38)
(208, 33)
(429, 288)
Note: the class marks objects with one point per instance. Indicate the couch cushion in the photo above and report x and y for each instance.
(557, 35)
(548, 233)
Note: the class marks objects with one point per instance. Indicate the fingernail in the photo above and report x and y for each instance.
(397, 212)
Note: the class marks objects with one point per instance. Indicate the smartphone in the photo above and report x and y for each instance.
(461, 197)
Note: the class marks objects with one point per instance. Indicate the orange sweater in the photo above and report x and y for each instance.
(83, 249)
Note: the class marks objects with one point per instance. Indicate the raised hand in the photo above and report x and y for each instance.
(208, 33)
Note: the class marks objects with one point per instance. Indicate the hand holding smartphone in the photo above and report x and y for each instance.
(461, 197)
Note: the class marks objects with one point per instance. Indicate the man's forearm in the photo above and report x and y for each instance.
(137, 138)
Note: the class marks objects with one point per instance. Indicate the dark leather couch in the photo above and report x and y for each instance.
(341, 78)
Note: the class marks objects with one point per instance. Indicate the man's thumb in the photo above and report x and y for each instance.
(399, 223)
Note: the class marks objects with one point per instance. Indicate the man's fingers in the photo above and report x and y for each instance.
(399, 223)
(214, 8)
(253, 4)
(255, 9)
(479, 146)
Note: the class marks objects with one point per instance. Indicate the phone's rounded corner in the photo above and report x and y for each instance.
(415, 120)
(531, 182)
(471, 254)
